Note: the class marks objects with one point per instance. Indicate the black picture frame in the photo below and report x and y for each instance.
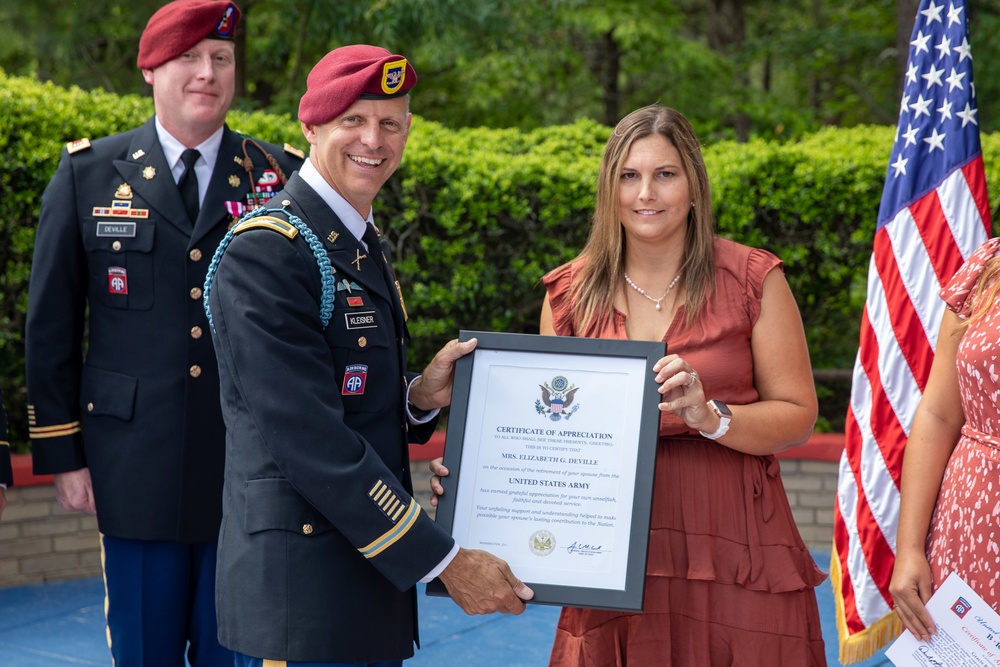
(575, 352)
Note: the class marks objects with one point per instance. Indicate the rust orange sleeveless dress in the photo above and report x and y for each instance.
(728, 578)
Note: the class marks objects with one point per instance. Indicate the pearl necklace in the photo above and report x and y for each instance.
(643, 292)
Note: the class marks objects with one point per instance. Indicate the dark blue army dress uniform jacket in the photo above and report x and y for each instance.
(137, 400)
(321, 542)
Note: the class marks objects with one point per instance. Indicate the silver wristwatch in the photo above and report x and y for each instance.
(725, 416)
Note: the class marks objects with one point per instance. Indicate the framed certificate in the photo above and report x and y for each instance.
(551, 446)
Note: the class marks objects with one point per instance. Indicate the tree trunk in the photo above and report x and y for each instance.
(814, 83)
(726, 35)
(906, 12)
(610, 69)
(240, 44)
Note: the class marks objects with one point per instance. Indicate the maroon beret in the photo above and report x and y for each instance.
(350, 73)
(179, 25)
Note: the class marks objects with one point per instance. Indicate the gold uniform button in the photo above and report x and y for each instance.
(195, 255)
(195, 332)
(362, 341)
(116, 246)
(90, 407)
(307, 529)
(195, 371)
(286, 202)
(195, 293)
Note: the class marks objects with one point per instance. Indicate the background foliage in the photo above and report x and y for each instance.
(736, 68)
(476, 216)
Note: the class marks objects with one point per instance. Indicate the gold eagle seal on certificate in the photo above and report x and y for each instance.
(542, 543)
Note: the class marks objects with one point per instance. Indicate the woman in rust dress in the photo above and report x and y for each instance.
(950, 487)
(728, 580)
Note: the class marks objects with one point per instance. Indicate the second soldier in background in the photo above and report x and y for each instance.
(133, 430)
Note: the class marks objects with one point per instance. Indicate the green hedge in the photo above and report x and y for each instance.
(477, 216)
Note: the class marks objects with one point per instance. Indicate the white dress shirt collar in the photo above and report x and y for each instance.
(349, 215)
(172, 149)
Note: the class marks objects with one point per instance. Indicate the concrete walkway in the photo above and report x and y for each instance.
(51, 625)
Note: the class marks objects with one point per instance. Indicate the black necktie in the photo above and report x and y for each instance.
(370, 237)
(188, 185)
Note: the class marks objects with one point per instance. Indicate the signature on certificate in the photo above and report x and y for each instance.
(578, 549)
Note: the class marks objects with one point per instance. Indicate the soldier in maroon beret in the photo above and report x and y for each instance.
(322, 542)
(133, 431)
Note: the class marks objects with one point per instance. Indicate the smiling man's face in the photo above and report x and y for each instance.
(360, 149)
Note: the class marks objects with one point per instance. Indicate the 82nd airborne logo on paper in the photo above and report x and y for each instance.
(961, 607)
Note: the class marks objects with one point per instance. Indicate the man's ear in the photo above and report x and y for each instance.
(309, 132)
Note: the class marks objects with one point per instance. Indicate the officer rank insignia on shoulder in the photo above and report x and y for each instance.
(292, 150)
(77, 146)
(267, 222)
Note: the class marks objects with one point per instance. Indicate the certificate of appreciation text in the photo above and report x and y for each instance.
(555, 455)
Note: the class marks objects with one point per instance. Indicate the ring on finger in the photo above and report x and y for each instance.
(692, 379)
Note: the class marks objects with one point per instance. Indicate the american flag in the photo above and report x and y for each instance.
(934, 214)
